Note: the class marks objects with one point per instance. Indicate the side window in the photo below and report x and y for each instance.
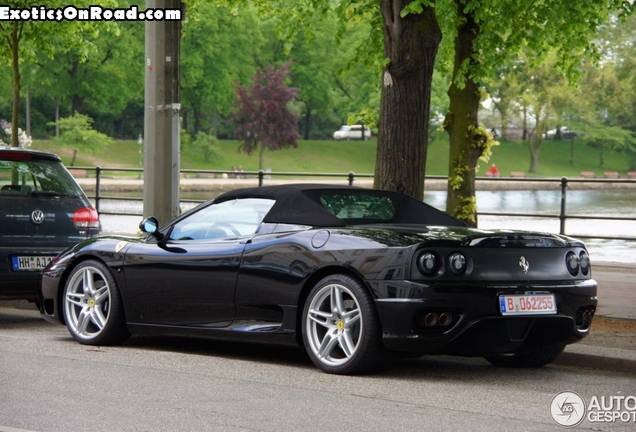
(226, 220)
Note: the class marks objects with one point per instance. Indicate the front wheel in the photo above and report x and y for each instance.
(340, 328)
(93, 309)
(536, 358)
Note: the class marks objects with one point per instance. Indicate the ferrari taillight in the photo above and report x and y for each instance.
(86, 218)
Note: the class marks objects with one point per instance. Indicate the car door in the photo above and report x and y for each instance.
(189, 278)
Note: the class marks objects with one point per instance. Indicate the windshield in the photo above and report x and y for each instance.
(227, 219)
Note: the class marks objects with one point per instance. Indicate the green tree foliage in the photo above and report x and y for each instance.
(262, 114)
(605, 138)
(76, 132)
(605, 105)
(23, 38)
(403, 41)
(484, 42)
(207, 145)
(218, 52)
(541, 97)
(103, 83)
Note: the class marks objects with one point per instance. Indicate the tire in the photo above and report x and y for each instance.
(93, 310)
(340, 328)
(536, 358)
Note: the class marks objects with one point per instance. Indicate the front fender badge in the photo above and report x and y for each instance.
(525, 265)
(120, 246)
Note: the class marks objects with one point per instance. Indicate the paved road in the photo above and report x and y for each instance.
(50, 383)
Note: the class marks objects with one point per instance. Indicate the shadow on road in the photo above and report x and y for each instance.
(428, 369)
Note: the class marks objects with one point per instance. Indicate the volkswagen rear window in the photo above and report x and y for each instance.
(21, 177)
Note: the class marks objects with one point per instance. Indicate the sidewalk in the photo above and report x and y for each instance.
(611, 344)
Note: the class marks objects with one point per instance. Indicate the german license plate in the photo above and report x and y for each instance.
(525, 304)
(31, 263)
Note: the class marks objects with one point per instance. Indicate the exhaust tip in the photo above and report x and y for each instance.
(431, 319)
(445, 319)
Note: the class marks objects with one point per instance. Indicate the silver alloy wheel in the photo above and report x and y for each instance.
(87, 303)
(334, 324)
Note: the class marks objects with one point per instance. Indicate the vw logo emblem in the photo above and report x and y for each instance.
(37, 217)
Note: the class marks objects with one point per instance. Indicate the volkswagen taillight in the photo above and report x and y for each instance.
(86, 218)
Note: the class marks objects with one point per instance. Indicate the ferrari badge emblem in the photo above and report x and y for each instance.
(120, 246)
(525, 265)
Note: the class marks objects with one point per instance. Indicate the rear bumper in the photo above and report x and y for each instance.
(476, 326)
(20, 284)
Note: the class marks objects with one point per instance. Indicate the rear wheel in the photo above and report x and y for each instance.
(536, 358)
(93, 310)
(340, 327)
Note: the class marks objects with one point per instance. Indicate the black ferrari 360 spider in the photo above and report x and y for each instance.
(355, 276)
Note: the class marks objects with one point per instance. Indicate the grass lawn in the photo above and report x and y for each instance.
(359, 156)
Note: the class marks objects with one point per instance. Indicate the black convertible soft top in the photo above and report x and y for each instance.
(304, 204)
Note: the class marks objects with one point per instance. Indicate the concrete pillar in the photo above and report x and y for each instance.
(161, 119)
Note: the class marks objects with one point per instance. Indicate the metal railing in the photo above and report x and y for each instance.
(262, 176)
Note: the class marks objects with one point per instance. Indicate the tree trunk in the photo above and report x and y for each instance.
(76, 100)
(534, 157)
(504, 125)
(57, 116)
(184, 120)
(461, 123)
(76, 104)
(16, 34)
(197, 121)
(27, 127)
(261, 157)
(410, 43)
(534, 143)
(122, 125)
(307, 121)
(215, 123)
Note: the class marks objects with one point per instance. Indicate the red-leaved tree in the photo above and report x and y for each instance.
(262, 114)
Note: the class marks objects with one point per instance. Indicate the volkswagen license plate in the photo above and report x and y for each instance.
(33, 263)
(525, 304)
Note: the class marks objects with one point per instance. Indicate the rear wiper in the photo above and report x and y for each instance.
(48, 193)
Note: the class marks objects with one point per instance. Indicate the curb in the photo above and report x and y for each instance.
(598, 362)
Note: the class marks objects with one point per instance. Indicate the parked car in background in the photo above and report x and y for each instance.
(353, 132)
(42, 212)
(561, 133)
(353, 275)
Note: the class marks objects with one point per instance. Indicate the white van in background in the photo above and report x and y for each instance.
(352, 132)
